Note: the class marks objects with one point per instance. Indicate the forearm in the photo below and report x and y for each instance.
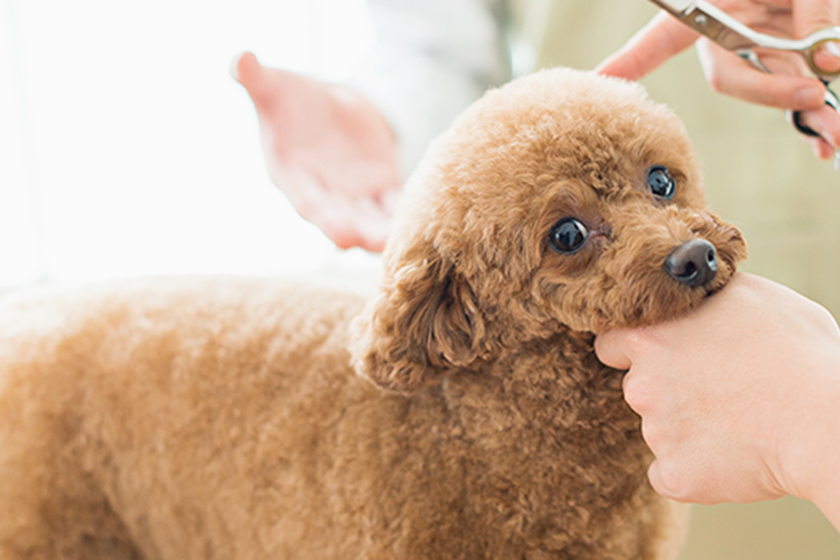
(814, 464)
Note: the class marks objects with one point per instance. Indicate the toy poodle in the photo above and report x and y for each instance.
(459, 413)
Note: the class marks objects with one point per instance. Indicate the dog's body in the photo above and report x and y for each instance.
(221, 419)
(180, 419)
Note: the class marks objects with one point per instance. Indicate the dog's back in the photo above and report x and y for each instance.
(170, 414)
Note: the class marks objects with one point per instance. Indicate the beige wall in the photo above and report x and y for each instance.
(760, 176)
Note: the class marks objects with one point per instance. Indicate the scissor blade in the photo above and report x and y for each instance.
(676, 7)
(712, 22)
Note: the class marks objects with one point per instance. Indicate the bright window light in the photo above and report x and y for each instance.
(128, 150)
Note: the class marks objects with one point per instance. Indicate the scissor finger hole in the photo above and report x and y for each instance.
(824, 58)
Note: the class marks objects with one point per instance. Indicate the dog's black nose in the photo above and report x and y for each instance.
(693, 263)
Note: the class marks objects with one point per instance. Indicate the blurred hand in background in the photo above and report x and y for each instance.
(328, 150)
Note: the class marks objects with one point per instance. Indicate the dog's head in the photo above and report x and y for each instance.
(561, 201)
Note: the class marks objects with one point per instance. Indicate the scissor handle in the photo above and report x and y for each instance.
(794, 116)
(719, 26)
(812, 50)
(733, 35)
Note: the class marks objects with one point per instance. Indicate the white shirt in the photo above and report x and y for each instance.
(431, 59)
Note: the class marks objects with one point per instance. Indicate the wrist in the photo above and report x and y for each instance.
(810, 466)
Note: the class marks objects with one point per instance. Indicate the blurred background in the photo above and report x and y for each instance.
(126, 149)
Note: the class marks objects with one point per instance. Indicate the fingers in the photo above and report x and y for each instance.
(347, 221)
(658, 481)
(789, 87)
(611, 348)
(248, 71)
(786, 89)
(671, 483)
(827, 57)
(367, 228)
(662, 38)
(729, 75)
(360, 223)
(252, 75)
(826, 122)
(244, 68)
(812, 15)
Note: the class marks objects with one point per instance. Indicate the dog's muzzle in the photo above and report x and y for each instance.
(693, 263)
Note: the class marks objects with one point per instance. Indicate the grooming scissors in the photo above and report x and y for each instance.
(732, 35)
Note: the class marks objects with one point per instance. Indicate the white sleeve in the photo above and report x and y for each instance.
(431, 59)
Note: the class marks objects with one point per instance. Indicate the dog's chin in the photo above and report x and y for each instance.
(664, 301)
(684, 301)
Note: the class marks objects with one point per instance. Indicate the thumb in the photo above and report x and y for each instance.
(611, 349)
(248, 71)
(663, 37)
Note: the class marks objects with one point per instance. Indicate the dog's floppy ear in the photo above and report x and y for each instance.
(425, 322)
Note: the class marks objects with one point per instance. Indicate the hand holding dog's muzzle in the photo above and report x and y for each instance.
(738, 397)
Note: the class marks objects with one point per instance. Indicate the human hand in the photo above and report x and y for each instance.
(739, 399)
(789, 87)
(328, 150)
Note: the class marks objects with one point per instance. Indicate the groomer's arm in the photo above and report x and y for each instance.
(739, 400)
(789, 87)
(340, 151)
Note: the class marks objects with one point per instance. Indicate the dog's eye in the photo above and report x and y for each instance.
(660, 181)
(568, 235)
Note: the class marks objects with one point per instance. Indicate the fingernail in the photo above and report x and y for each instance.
(826, 134)
(809, 97)
(829, 139)
(832, 48)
